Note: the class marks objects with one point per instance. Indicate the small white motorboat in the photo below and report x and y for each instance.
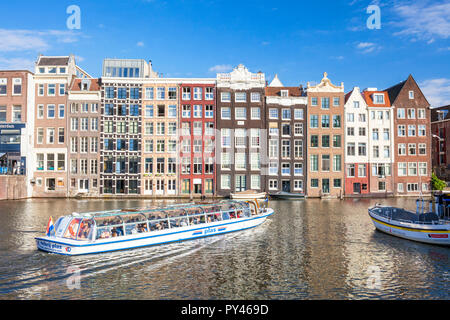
(248, 195)
(423, 226)
(97, 232)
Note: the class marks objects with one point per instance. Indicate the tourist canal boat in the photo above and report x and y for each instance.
(96, 232)
(424, 225)
(288, 195)
(248, 195)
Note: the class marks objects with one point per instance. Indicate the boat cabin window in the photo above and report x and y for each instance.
(109, 227)
(72, 229)
(135, 223)
(85, 230)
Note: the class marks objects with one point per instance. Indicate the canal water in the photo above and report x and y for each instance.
(313, 249)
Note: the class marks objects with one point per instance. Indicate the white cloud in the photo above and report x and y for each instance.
(221, 68)
(140, 44)
(16, 64)
(367, 47)
(34, 40)
(437, 91)
(424, 21)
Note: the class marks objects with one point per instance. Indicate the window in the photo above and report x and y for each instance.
(50, 111)
(50, 135)
(3, 86)
(314, 101)
(421, 130)
(40, 161)
(161, 111)
(325, 141)
(240, 138)
(411, 187)
(337, 163)
(336, 121)
(314, 142)
(285, 169)
(361, 170)
(225, 113)
(50, 162)
(298, 114)
(122, 93)
(240, 161)
(225, 97)
(286, 114)
(379, 98)
(273, 148)
(411, 113)
(226, 138)
(325, 103)
(421, 113)
(401, 131)
(325, 121)
(362, 132)
(40, 135)
(361, 149)
(336, 101)
(172, 93)
(375, 134)
(285, 148)
(255, 113)
(351, 149)
(356, 104)
(412, 149)
(255, 134)
(422, 149)
(285, 129)
(336, 141)
(186, 111)
(314, 160)
(160, 93)
(411, 130)
(350, 117)
(386, 151)
(412, 168)
(350, 131)
(240, 113)
(350, 170)
(84, 124)
(83, 144)
(411, 94)
(273, 113)
(255, 161)
(209, 93)
(314, 183)
(298, 129)
(149, 93)
(298, 169)
(386, 134)
(186, 94)
(422, 169)
(109, 92)
(197, 111)
(16, 113)
(225, 161)
(325, 162)
(60, 135)
(255, 97)
(197, 93)
(240, 97)
(209, 111)
(401, 113)
(273, 184)
(17, 86)
(376, 151)
(225, 181)
(402, 149)
(273, 168)
(51, 89)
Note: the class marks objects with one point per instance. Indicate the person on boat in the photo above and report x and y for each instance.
(208, 219)
(105, 234)
(142, 228)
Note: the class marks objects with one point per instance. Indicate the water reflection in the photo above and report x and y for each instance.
(308, 250)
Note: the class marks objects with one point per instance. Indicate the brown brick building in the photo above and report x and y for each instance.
(412, 138)
(325, 144)
(440, 131)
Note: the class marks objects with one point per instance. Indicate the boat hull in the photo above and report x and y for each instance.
(427, 233)
(237, 196)
(290, 196)
(74, 247)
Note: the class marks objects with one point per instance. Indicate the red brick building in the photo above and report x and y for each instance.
(197, 137)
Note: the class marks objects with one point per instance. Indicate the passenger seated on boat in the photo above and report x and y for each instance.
(239, 213)
(208, 219)
(232, 215)
(119, 231)
(226, 216)
(105, 234)
(114, 233)
(142, 228)
(184, 223)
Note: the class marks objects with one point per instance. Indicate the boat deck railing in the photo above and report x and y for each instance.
(388, 212)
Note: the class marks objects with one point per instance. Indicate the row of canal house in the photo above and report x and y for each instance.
(134, 132)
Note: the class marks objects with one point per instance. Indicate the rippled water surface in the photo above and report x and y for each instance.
(313, 249)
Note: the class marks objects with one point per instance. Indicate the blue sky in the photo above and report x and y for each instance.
(298, 40)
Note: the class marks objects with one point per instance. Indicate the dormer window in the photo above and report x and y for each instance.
(85, 84)
(62, 70)
(52, 70)
(41, 70)
(379, 98)
(284, 93)
(411, 94)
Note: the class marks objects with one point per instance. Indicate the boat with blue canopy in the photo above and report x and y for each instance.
(104, 231)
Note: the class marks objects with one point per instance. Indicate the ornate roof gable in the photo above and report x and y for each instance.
(325, 85)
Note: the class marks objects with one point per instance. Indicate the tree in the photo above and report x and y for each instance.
(436, 183)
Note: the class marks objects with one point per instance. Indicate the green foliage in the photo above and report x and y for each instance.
(437, 183)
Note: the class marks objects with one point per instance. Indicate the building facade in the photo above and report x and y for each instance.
(440, 130)
(325, 147)
(121, 126)
(285, 134)
(197, 129)
(83, 133)
(381, 142)
(160, 123)
(52, 78)
(412, 138)
(357, 133)
(240, 121)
